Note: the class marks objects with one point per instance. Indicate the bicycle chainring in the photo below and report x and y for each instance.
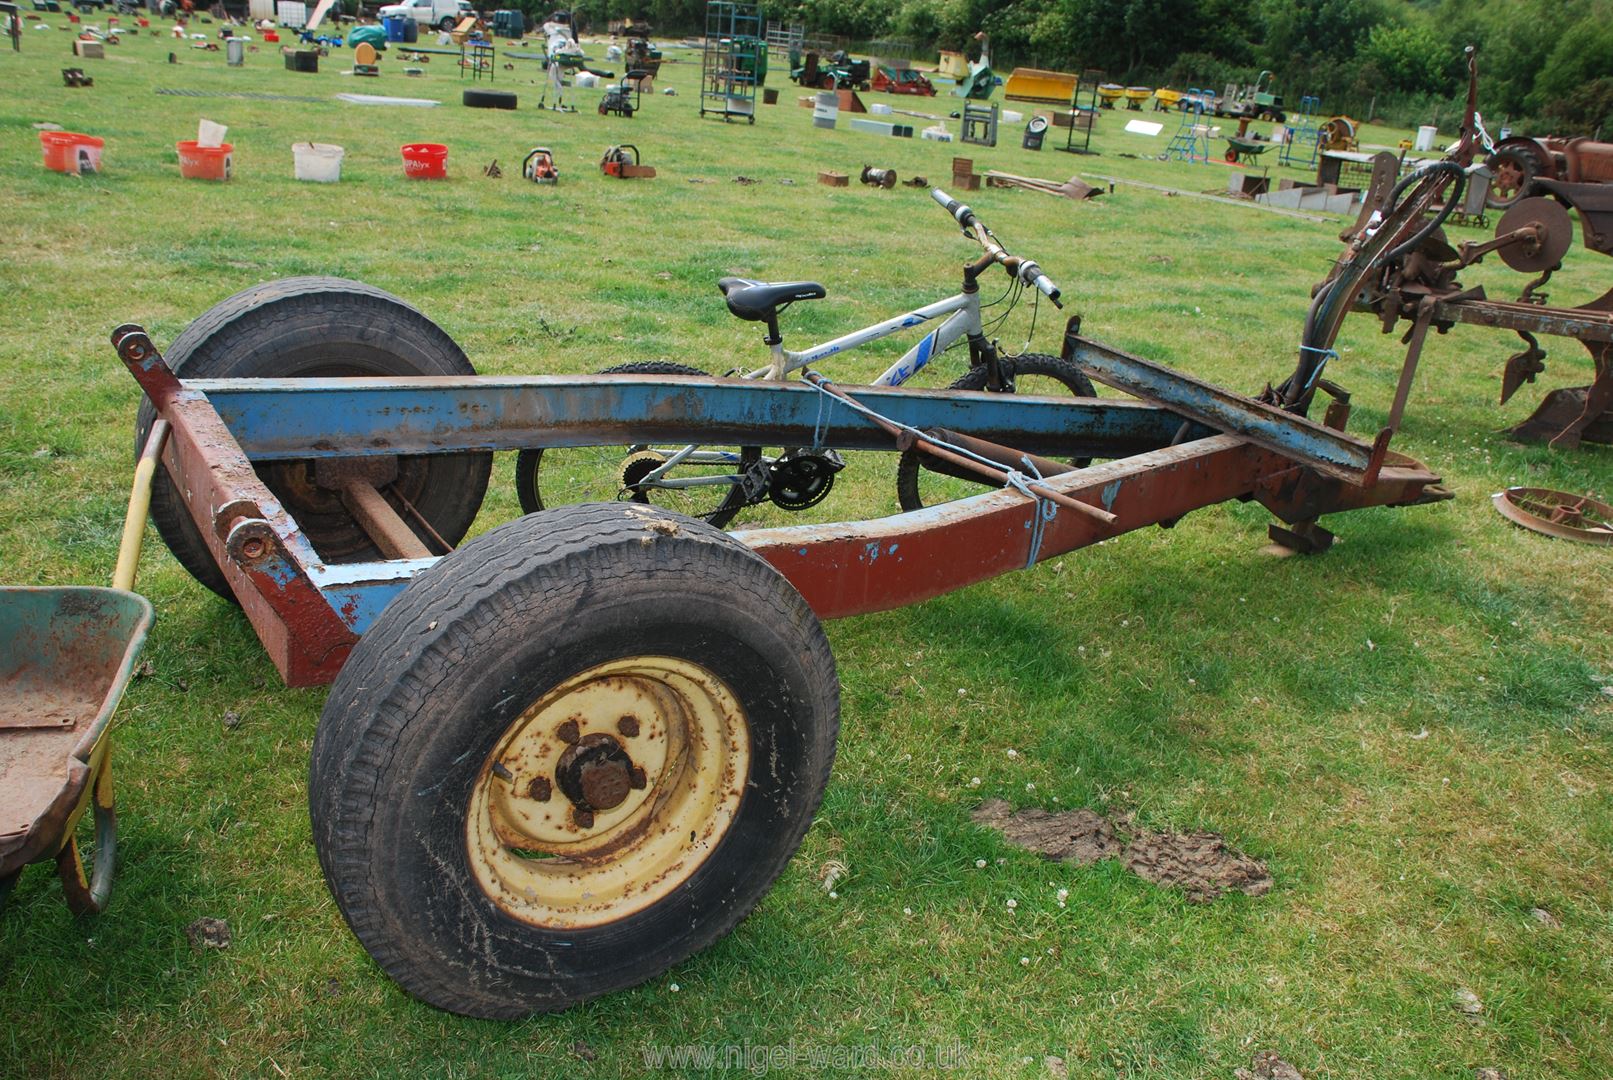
(802, 478)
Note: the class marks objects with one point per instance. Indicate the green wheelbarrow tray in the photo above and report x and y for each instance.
(1252, 147)
(66, 653)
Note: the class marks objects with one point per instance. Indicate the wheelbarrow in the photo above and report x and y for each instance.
(1239, 146)
(66, 654)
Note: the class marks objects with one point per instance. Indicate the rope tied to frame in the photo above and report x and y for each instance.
(820, 426)
(1044, 509)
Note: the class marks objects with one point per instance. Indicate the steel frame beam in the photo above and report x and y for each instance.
(309, 614)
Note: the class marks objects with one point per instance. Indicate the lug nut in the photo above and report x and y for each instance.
(540, 789)
(568, 732)
(628, 725)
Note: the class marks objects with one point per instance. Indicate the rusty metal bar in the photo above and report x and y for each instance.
(930, 446)
(1414, 351)
(292, 418)
(237, 515)
(380, 522)
(1006, 456)
(1274, 428)
(1563, 322)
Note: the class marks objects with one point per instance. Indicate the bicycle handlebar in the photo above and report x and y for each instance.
(1022, 269)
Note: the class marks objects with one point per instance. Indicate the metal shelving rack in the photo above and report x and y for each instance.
(731, 60)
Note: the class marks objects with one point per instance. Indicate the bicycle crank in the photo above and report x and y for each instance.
(802, 478)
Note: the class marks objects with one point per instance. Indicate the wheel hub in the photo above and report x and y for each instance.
(595, 773)
(608, 791)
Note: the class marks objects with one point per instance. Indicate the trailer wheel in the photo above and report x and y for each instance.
(1033, 373)
(573, 474)
(311, 327)
(612, 785)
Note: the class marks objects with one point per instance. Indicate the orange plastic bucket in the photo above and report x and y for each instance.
(70, 152)
(204, 162)
(425, 161)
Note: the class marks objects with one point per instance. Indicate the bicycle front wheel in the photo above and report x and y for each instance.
(703, 484)
(1037, 374)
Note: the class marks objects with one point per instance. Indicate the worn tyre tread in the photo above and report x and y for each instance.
(378, 696)
(202, 350)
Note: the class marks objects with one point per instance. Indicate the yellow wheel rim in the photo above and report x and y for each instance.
(608, 792)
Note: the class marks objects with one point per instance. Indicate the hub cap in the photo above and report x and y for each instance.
(608, 792)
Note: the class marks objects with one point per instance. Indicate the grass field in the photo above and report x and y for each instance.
(1412, 730)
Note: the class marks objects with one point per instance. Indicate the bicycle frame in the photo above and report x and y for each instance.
(963, 320)
(964, 309)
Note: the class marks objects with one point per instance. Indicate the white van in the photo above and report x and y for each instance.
(443, 14)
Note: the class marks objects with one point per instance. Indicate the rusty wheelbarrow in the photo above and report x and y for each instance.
(66, 654)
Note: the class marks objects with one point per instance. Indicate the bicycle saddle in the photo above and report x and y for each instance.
(760, 301)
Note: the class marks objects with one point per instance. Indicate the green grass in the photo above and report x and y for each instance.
(1181, 676)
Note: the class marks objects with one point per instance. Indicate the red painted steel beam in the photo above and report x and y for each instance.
(853, 568)
(258, 545)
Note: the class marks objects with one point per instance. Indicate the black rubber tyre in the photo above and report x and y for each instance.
(309, 327)
(488, 99)
(1513, 170)
(412, 736)
(446, 24)
(1028, 370)
(594, 473)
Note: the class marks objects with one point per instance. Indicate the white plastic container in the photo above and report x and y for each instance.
(1426, 136)
(826, 109)
(210, 134)
(1012, 117)
(879, 108)
(320, 163)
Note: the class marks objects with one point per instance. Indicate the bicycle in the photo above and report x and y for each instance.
(716, 484)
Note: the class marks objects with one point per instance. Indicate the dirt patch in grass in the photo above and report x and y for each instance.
(1198, 863)
(1074, 836)
(1268, 1066)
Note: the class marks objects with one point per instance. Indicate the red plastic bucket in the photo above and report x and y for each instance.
(204, 162)
(69, 152)
(425, 161)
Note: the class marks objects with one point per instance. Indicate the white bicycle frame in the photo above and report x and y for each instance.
(963, 320)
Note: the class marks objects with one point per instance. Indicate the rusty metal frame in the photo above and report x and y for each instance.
(1197, 446)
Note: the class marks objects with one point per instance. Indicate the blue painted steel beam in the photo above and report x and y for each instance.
(1269, 426)
(274, 419)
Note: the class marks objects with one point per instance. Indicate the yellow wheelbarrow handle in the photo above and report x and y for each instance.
(134, 521)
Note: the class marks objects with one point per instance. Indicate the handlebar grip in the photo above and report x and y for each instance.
(964, 216)
(1031, 274)
(1050, 290)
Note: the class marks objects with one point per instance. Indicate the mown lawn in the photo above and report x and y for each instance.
(1412, 730)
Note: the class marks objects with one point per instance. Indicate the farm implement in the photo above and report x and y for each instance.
(1415, 280)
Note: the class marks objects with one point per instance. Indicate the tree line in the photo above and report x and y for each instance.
(1544, 65)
